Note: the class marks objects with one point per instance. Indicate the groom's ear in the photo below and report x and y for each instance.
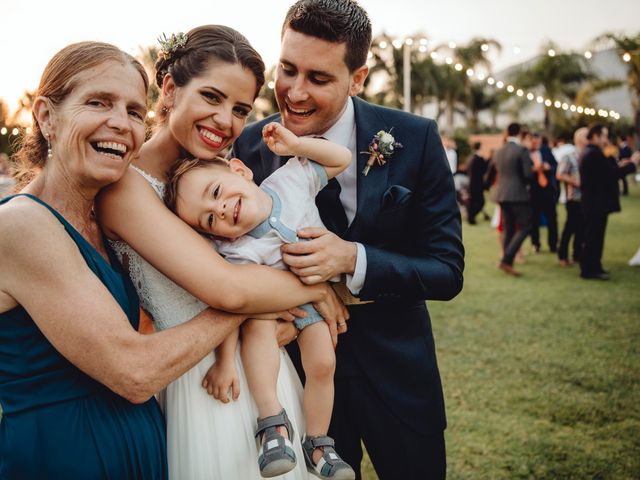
(357, 80)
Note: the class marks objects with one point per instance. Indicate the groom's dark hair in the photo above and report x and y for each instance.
(337, 21)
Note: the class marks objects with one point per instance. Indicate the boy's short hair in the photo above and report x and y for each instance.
(178, 170)
(594, 129)
(513, 130)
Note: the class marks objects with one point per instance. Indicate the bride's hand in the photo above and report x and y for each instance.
(221, 380)
(334, 313)
(286, 332)
(286, 315)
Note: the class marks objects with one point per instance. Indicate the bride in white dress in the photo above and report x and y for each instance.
(209, 79)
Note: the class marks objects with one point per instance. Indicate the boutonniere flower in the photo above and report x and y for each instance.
(381, 148)
(169, 45)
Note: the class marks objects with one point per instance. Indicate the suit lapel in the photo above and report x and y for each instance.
(371, 187)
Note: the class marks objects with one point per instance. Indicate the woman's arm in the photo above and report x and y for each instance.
(43, 271)
(132, 211)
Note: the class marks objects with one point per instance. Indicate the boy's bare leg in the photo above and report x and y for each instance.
(319, 363)
(261, 361)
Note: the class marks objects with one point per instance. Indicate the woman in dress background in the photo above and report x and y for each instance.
(209, 79)
(76, 378)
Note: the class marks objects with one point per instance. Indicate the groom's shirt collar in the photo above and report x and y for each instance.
(342, 131)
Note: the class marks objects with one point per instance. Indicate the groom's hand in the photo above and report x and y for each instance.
(323, 256)
(334, 313)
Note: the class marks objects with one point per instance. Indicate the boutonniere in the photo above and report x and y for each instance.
(381, 147)
(169, 45)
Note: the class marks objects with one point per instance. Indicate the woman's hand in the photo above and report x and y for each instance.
(334, 313)
(221, 381)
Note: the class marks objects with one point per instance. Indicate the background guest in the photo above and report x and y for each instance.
(476, 169)
(599, 177)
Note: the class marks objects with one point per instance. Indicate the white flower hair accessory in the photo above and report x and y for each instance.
(381, 148)
(169, 45)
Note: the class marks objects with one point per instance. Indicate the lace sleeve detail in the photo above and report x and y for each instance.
(167, 303)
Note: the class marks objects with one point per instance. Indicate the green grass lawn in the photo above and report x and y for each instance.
(541, 373)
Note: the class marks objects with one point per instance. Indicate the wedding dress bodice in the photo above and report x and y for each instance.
(166, 302)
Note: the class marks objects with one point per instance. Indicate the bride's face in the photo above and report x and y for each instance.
(209, 112)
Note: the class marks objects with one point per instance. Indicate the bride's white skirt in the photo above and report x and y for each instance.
(208, 440)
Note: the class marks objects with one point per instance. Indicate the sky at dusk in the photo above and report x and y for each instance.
(33, 31)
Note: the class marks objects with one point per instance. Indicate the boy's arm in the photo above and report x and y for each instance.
(333, 157)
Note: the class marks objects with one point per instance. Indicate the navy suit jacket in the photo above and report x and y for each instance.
(408, 220)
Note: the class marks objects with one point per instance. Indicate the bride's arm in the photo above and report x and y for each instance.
(131, 210)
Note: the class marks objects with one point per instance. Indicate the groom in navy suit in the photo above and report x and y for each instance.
(394, 235)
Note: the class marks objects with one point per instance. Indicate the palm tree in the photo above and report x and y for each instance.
(480, 100)
(471, 56)
(4, 113)
(629, 50)
(147, 57)
(25, 106)
(560, 77)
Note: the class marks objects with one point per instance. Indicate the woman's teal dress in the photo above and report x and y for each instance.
(57, 422)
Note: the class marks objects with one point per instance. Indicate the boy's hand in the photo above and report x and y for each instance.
(279, 139)
(220, 380)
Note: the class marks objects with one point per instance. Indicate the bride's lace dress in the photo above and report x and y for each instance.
(206, 439)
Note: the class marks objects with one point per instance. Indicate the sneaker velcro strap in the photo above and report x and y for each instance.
(320, 442)
(277, 420)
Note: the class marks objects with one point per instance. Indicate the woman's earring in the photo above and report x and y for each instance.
(165, 109)
(49, 151)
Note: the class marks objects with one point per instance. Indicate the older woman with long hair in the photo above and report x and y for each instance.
(76, 378)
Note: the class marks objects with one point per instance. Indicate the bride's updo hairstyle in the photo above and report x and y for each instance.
(186, 56)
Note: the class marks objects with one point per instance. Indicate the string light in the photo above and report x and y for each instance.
(3, 130)
(499, 84)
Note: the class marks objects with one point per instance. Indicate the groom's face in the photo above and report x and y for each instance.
(313, 83)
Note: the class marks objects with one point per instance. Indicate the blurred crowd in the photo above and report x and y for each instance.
(529, 176)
